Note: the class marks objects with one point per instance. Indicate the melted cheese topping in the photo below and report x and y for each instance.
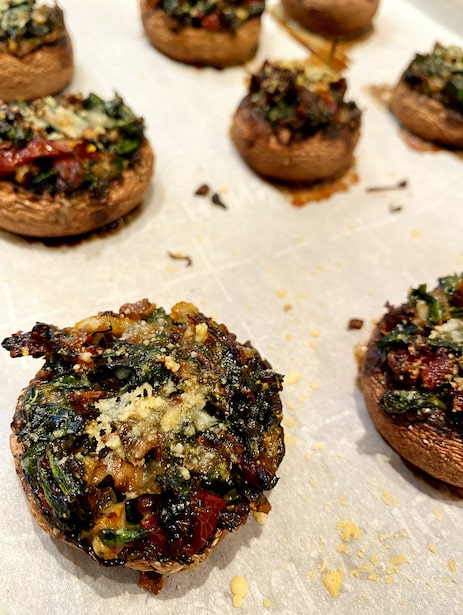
(66, 122)
(144, 411)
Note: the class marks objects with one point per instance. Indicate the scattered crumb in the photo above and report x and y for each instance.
(332, 580)
(452, 565)
(395, 563)
(152, 581)
(314, 332)
(260, 517)
(181, 257)
(293, 377)
(403, 183)
(348, 531)
(343, 548)
(281, 293)
(203, 190)
(312, 575)
(267, 603)
(239, 588)
(216, 200)
(290, 440)
(432, 547)
(437, 512)
(289, 421)
(389, 499)
(287, 307)
(314, 386)
(416, 232)
(400, 534)
(318, 446)
(355, 323)
(342, 500)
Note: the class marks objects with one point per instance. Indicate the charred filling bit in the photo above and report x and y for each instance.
(145, 432)
(26, 25)
(439, 74)
(213, 15)
(66, 143)
(421, 347)
(298, 100)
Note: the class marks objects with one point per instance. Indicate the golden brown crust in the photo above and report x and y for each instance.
(46, 70)
(199, 46)
(333, 18)
(426, 117)
(438, 453)
(173, 567)
(323, 155)
(26, 213)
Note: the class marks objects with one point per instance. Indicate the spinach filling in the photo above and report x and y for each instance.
(299, 100)
(26, 25)
(439, 75)
(423, 352)
(63, 144)
(228, 15)
(144, 440)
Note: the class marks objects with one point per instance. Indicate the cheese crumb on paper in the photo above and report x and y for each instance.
(239, 588)
(293, 377)
(437, 513)
(389, 499)
(348, 531)
(260, 517)
(452, 565)
(332, 580)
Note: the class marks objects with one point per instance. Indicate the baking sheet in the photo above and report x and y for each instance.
(287, 278)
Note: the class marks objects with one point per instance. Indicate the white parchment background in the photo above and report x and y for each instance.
(289, 279)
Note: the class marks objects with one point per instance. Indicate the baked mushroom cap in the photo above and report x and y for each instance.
(294, 125)
(410, 376)
(217, 34)
(428, 99)
(69, 164)
(47, 70)
(24, 212)
(333, 18)
(36, 53)
(146, 436)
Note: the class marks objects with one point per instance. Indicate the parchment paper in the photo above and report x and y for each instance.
(287, 278)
